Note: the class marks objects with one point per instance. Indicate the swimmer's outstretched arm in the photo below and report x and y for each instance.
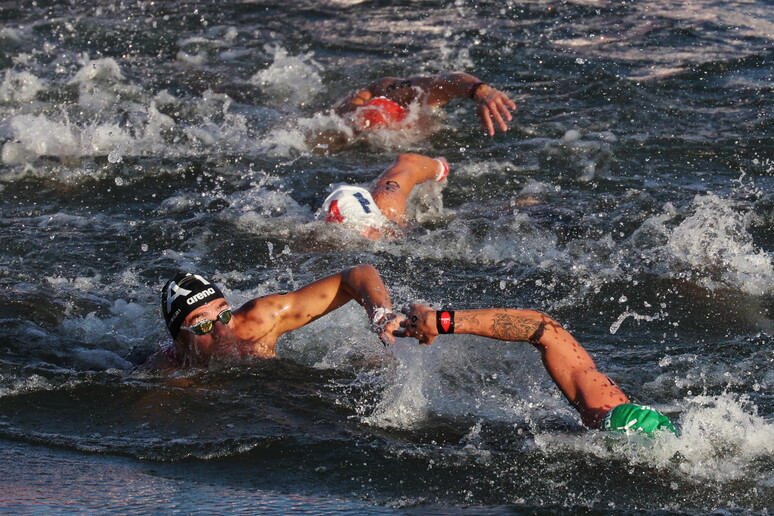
(568, 364)
(509, 324)
(493, 106)
(280, 313)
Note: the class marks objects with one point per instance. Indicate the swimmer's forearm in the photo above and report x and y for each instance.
(497, 323)
(451, 85)
(365, 286)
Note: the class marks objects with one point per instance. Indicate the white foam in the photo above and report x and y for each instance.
(265, 204)
(333, 341)
(118, 323)
(425, 204)
(289, 80)
(722, 440)
(283, 141)
(479, 168)
(515, 238)
(715, 246)
(127, 323)
(451, 57)
(101, 84)
(99, 72)
(40, 136)
(18, 87)
(404, 402)
(115, 118)
(465, 376)
(198, 59)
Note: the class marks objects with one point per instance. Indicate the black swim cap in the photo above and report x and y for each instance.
(182, 295)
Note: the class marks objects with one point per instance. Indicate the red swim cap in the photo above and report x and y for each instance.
(380, 112)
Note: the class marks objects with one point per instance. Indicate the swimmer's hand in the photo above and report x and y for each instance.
(493, 107)
(418, 323)
(385, 323)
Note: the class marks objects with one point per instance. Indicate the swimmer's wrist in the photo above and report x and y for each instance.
(444, 321)
(473, 89)
(380, 317)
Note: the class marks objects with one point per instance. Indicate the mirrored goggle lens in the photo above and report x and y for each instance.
(206, 326)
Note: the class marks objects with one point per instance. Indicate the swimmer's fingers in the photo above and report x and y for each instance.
(486, 119)
(495, 113)
(494, 107)
(416, 323)
(414, 333)
(505, 106)
(388, 339)
(414, 311)
(387, 333)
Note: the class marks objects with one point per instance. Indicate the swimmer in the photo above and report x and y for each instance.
(385, 103)
(599, 401)
(203, 324)
(381, 211)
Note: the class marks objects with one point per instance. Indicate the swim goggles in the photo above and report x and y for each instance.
(206, 326)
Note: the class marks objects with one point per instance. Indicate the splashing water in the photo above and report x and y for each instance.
(713, 244)
(290, 81)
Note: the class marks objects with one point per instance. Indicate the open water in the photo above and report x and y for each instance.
(140, 137)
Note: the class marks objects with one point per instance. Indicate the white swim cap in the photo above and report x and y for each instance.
(353, 205)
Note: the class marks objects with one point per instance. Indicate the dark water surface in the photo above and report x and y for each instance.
(139, 138)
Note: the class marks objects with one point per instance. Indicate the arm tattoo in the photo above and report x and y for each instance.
(507, 327)
(471, 320)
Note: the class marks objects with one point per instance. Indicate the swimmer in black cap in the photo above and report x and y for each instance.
(203, 324)
(600, 402)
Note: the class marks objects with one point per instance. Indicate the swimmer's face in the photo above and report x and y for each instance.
(220, 340)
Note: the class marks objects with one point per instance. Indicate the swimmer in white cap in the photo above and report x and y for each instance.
(381, 210)
(203, 324)
(599, 401)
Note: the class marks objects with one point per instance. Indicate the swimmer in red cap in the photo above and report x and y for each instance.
(492, 105)
(203, 324)
(380, 112)
(381, 211)
(385, 103)
(600, 402)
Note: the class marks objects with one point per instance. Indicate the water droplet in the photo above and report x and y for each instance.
(119, 181)
(115, 157)
(144, 247)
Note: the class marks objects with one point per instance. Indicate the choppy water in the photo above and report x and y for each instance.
(137, 139)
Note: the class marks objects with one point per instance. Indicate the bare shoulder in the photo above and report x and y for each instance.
(385, 84)
(401, 88)
(263, 306)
